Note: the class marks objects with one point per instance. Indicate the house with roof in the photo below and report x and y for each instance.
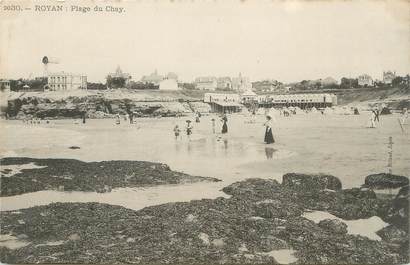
(206, 83)
(365, 80)
(153, 78)
(388, 77)
(241, 83)
(224, 83)
(120, 74)
(65, 81)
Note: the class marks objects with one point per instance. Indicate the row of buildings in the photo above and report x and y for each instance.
(60, 81)
(239, 83)
(233, 102)
(170, 81)
(367, 80)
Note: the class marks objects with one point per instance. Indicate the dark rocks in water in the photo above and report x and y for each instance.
(398, 213)
(311, 182)
(385, 181)
(356, 203)
(358, 193)
(393, 234)
(333, 225)
(75, 175)
(269, 243)
(74, 147)
(261, 187)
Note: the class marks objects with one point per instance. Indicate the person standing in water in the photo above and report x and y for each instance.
(213, 125)
(404, 116)
(118, 119)
(131, 116)
(197, 117)
(188, 129)
(373, 119)
(176, 132)
(268, 131)
(225, 125)
(376, 113)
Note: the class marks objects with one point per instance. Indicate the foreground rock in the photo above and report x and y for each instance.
(75, 175)
(311, 182)
(385, 181)
(261, 217)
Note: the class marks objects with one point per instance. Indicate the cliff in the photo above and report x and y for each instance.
(96, 104)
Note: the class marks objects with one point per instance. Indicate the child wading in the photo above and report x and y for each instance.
(188, 129)
(268, 132)
(224, 126)
(176, 131)
(197, 117)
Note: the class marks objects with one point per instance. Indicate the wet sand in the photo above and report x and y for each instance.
(340, 145)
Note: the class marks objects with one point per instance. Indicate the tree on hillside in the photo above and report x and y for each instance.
(397, 81)
(349, 82)
(142, 86)
(96, 86)
(188, 86)
(116, 82)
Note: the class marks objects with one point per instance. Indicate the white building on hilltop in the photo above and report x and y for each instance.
(153, 78)
(4, 85)
(241, 83)
(388, 77)
(168, 84)
(66, 81)
(206, 83)
(365, 80)
(120, 74)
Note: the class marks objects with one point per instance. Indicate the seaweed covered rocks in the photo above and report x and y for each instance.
(261, 219)
(306, 182)
(385, 181)
(75, 175)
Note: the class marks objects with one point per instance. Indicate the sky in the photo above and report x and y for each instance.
(284, 40)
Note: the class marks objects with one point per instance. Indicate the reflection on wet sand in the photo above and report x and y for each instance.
(269, 152)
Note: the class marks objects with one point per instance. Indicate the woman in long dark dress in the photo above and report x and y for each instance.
(268, 132)
(224, 126)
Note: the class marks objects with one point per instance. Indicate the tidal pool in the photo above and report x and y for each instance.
(363, 227)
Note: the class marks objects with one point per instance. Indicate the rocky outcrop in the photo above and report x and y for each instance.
(398, 211)
(100, 105)
(385, 181)
(333, 225)
(75, 175)
(200, 107)
(311, 182)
